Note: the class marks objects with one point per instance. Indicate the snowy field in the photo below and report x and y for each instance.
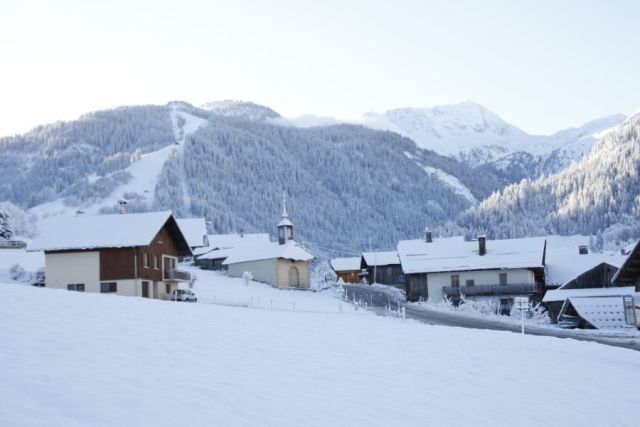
(213, 287)
(71, 359)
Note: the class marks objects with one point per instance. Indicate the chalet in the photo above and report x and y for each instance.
(569, 257)
(496, 270)
(283, 264)
(573, 272)
(580, 307)
(347, 269)
(125, 254)
(383, 268)
(221, 246)
(195, 231)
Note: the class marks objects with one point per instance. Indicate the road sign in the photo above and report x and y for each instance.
(522, 304)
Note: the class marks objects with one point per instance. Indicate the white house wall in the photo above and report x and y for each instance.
(436, 281)
(263, 270)
(67, 268)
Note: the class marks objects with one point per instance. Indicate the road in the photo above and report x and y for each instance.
(379, 300)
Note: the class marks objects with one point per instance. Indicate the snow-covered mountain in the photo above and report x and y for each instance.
(598, 194)
(466, 130)
(231, 165)
(477, 136)
(229, 161)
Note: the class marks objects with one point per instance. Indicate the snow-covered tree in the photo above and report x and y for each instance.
(6, 233)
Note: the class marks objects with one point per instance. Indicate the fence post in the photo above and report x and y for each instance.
(403, 313)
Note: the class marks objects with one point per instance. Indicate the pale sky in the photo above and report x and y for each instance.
(541, 65)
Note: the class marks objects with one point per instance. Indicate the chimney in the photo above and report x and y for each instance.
(482, 245)
(427, 235)
(583, 249)
(123, 206)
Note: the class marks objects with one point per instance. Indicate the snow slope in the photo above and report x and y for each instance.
(74, 359)
(144, 172)
(447, 179)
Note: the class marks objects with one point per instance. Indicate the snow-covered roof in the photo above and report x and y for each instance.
(194, 230)
(346, 264)
(285, 221)
(564, 263)
(601, 312)
(100, 231)
(455, 254)
(270, 250)
(226, 241)
(563, 294)
(217, 254)
(381, 258)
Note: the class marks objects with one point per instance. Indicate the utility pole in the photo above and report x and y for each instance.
(375, 261)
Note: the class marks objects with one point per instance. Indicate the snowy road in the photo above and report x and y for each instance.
(380, 300)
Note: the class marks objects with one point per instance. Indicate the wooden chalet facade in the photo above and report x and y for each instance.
(347, 269)
(629, 272)
(84, 254)
(383, 268)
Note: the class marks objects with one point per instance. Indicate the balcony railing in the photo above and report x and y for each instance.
(490, 290)
(177, 275)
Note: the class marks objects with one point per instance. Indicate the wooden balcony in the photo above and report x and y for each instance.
(172, 275)
(492, 290)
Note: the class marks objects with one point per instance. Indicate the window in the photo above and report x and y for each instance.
(505, 306)
(156, 262)
(455, 280)
(470, 282)
(79, 287)
(108, 287)
(503, 278)
(168, 288)
(145, 259)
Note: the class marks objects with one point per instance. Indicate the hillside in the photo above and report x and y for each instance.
(598, 194)
(230, 161)
(346, 183)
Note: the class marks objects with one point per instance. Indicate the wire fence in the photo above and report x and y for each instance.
(261, 303)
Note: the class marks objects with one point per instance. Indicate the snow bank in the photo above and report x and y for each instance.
(75, 359)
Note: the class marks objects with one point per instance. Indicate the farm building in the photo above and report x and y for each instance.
(495, 270)
(383, 268)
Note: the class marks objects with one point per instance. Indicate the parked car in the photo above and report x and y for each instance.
(184, 295)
